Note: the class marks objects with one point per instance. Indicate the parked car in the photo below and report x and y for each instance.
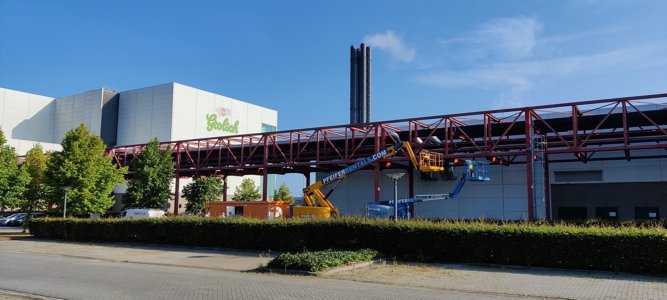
(7, 221)
(141, 213)
(5, 214)
(19, 220)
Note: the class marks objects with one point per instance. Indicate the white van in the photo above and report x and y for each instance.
(141, 213)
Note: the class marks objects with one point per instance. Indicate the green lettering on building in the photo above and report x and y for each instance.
(213, 124)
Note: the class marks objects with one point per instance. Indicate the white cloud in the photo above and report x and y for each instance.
(503, 39)
(510, 38)
(583, 35)
(511, 56)
(393, 44)
(515, 78)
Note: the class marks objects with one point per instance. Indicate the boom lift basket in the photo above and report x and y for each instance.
(478, 170)
(430, 161)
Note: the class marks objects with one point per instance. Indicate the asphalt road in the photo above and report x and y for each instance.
(76, 278)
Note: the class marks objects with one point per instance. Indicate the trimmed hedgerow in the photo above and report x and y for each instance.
(315, 261)
(630, 249)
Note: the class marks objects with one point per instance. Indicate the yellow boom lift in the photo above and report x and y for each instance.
(317, 205)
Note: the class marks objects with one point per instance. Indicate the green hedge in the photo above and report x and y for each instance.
(315, 261)
(629, 249)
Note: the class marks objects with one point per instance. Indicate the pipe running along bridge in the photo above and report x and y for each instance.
(537, 135)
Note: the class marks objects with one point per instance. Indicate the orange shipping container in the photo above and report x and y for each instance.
(250, 209)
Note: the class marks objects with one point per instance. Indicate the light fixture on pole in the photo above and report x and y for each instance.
(65, 188)
(395, 177)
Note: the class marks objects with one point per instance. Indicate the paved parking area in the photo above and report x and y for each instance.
(519, 281)
(220, 259)
(78, 278)
(447, 280)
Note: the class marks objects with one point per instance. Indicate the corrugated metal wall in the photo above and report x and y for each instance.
(504, 197)
(144, 114)
(73, 110)
(26, 119)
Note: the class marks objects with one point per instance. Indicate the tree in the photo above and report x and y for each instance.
(283, 194)
(3, 140)
(13, 179)
(201, 191)
(82, 166)
(150, 186)
(35, 164)
(247, 191)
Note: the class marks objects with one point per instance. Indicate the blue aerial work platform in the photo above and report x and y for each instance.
(475, 171)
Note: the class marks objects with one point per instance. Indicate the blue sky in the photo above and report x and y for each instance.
(429, 57)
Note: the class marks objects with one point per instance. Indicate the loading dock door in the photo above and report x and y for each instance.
(624, 196)
(572, 213)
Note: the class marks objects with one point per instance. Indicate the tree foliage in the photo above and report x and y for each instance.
(82, 166)
(201, 191)
(36, 162)
(13, 179)
(150, 186)
(283, 194)
(3, 140)
(247, 191)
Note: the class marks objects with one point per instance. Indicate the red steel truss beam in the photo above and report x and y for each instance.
(488, 134)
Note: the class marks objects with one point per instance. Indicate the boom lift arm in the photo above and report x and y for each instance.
(318, 205)
(475, 171)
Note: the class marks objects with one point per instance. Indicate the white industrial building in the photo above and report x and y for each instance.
(597, 188)
(167, 112)
(627, 183)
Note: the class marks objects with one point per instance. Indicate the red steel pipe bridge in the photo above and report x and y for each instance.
(565, 132)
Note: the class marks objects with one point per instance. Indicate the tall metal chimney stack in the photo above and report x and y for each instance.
(360, 84)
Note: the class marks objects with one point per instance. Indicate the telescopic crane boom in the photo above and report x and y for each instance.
(317, 204)
(474, 171)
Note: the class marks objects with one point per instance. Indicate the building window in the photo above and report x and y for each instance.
(578, 176)
(646, 213)
(268, 128)
(572, 213)
(606, 213)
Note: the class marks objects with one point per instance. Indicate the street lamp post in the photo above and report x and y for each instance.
(65, 188)
(395, 177)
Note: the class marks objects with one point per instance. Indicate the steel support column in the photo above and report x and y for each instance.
(265, 172)
(411, 187)
(575, 131)
(224, 188)
(547, 187)
(177, 193)
(529, 163)
(376, 170)
(377, 181)
(265, 185)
